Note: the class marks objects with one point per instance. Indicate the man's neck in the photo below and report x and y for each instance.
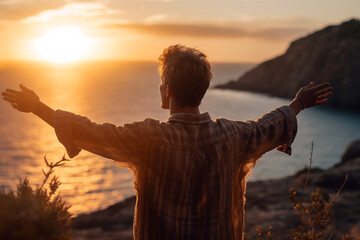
(174, 108)
(193, 110)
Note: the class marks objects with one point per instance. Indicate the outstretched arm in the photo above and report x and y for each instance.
(122, 143)
(27, 101)
(279, 127)
(310, 96)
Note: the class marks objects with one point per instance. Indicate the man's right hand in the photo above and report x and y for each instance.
(312, 95)
(24, 100)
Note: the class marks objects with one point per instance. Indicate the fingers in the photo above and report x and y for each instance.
(7, 94)
(22, 87)
(320, 102)
(10, 95)
(324, 91)
(321, 86)
(321, 91)
(322, 97)
(12, 91)
(14, 105)
(310, 85)
(10, 100)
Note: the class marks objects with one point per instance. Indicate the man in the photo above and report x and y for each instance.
(190, 171)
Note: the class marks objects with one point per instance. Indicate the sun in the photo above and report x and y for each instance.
(62, 45)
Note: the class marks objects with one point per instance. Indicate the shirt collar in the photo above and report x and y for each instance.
(190, 118)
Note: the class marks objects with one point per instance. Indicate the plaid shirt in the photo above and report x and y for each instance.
(190, 171)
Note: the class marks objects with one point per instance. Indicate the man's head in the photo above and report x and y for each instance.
(186, 73)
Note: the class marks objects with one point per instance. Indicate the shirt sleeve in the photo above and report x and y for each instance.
(276, 129)
(120, 143)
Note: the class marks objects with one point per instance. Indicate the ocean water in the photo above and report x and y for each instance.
(121, 92)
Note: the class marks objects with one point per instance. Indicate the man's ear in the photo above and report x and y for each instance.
(168, 92)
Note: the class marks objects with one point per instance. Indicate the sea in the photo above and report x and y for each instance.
(120, 92)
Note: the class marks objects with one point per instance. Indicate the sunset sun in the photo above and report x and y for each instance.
(62, 45)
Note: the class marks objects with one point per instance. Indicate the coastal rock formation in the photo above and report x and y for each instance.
(112, 223)
(331, 54)
(352, 151)
(267, 204)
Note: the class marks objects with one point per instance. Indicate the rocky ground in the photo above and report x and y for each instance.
(267, 204)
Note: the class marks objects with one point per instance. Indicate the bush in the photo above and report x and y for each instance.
(35, 213)
(315, 213)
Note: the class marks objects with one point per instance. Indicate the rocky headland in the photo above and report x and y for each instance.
(267, 204)
(328, 55)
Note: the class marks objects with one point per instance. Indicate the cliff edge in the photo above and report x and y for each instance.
(328, 55)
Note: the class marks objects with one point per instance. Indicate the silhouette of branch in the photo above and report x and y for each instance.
(51, 166)
(338, 192)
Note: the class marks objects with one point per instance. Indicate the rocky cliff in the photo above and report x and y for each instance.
(331, 54)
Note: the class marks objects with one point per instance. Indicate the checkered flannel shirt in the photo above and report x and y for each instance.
(190, 171)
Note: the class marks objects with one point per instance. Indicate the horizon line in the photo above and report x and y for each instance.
(109, 60)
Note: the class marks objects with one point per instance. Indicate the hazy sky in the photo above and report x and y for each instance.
(233, 30)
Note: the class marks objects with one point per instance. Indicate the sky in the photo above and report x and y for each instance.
(227, 30)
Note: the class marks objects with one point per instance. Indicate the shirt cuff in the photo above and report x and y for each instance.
(290, 128)
(62, 125)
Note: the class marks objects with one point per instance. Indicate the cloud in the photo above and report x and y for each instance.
(156, 18)
(12, 10)
(74, 9)
(158, 0)
(207, 31)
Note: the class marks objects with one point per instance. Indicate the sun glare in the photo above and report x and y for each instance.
(62, 45)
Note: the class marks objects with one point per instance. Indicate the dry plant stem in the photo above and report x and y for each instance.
(51, 169)
(309, 168)
(300, 212)
(332, 233)
(338, 192)
(334, 199)
(47, 174)
(310, 220)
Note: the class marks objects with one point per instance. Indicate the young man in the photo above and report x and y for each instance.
(190, 170)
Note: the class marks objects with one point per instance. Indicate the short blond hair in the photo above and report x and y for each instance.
(187, 72)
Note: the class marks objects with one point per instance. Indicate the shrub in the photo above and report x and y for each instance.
(38, 213)
(314, 212)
